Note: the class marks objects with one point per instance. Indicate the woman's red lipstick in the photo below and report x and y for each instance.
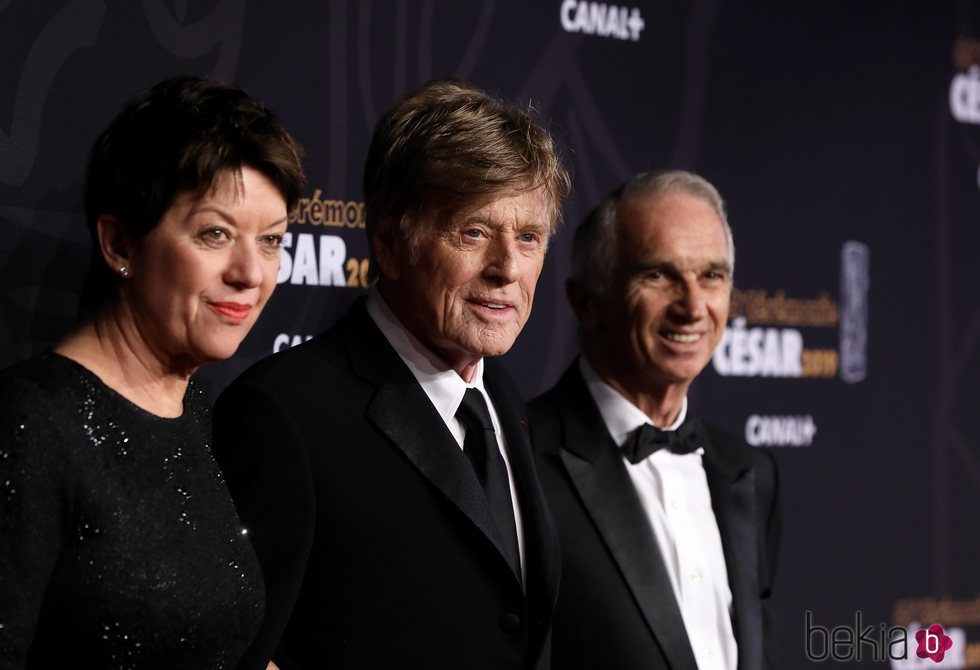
(235, 311)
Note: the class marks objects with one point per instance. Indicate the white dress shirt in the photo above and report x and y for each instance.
(673, 490)
(444, 388)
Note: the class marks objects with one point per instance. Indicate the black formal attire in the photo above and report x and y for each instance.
(375, 537)
(119, 543)
(616, 608)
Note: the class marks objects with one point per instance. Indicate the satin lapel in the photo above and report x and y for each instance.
(402, 411)
(599, 475)
(540, 537)
(732, 485)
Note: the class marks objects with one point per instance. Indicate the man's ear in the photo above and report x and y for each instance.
(383, 251)
(115, 244)
(583, 303)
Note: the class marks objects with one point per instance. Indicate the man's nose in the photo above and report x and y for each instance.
(502, 259)
(691, 302)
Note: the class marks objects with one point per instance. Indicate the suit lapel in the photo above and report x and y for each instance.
(731, 481)
(540, 537)
(598, 474)
(402, 411)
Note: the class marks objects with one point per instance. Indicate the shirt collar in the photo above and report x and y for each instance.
(620, 415)
(441, 384)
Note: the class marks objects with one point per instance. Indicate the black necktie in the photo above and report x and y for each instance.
(480, 446)
(648, 438)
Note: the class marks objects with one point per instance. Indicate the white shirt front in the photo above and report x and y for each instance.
(444, 389)
(673, 490)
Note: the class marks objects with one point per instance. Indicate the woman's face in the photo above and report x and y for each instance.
(200, 278)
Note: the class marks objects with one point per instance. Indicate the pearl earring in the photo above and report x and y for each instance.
(124, 271)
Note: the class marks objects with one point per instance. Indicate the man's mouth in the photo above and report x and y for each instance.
(492, 305)
(683, 338)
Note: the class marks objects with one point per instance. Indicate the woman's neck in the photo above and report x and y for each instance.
(112, 347)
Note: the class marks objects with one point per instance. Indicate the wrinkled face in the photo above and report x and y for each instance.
(201, 277)
(668, 304)
(469, 291)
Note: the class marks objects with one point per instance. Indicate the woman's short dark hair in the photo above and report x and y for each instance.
(177, 137)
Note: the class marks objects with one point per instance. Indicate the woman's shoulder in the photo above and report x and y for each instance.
(42, 378)
(40, 396)
(38, 419)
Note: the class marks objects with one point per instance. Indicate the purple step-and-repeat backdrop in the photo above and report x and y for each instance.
(845, 137)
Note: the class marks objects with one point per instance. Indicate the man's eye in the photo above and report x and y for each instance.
(528, 237)
(655, 274)
(473, 232)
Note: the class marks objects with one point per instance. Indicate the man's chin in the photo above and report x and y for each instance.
(492, 342)
(681, 375)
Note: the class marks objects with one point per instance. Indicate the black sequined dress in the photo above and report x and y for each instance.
(119, 543)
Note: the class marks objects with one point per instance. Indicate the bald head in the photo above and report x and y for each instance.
(594, 247)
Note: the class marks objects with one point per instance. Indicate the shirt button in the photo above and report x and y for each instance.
(706, 652)
(675, 504)
(510, 622)
(696, 576)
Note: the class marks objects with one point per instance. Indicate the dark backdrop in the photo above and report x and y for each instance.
(842, 134)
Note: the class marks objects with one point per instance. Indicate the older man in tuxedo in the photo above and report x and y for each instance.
(669, 526)
(383, 468)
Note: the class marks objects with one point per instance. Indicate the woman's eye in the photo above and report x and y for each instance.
(272, 241)
(215, 235)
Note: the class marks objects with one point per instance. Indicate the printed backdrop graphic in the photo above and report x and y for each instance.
(844, 136)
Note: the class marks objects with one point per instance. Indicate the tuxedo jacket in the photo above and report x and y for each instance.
(376, 541)
(616, 608)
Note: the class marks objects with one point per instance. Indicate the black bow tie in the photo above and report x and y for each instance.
(648, 438)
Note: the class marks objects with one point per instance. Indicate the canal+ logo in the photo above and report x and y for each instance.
(598, 18)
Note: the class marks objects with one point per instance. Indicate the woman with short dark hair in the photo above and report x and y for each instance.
(119, 544)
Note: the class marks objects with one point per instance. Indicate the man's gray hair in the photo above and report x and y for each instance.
(594, 247)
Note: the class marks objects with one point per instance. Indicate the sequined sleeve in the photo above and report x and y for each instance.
(35, 512)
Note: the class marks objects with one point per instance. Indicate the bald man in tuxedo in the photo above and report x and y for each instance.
(669, 526)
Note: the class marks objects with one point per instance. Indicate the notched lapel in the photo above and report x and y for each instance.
(596, 469)
(427, 443)
(402, 411)
(732, 486)
(541, 552)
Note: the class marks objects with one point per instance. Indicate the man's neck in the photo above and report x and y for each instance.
(465, 366)
(662, 404)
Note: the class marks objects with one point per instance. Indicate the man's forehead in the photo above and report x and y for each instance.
(660, 231)
(677, 214)
(532, 207)
(675, 203)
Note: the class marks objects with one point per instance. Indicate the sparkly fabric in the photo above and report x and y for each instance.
(119, 544)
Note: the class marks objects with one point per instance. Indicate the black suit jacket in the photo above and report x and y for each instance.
(376, 541)
(616, 609)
